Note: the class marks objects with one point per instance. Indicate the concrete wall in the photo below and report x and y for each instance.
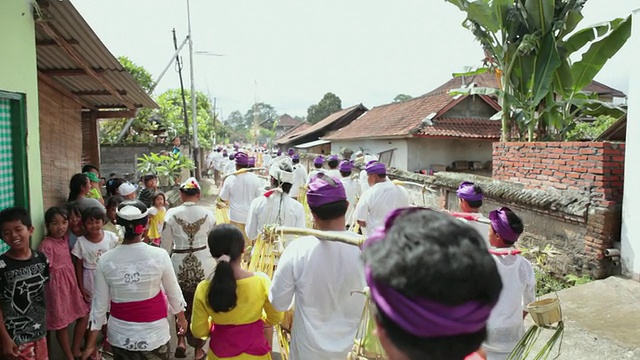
(18, 74)
(400, 154)
(630, 238)
(122, 159)
(425, 152)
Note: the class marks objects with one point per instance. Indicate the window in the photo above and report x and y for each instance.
(386, 157)
(14, 187)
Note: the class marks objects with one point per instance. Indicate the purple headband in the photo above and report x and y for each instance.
(377, 168)
(318, 161)
(295, 157)
(466, 191)
(500, 224)
(324, 189)
(333, 158)
(422, 317)
(291, 151)
(242, 158)
(345, 166)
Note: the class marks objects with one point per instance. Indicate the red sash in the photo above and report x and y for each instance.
(143, 311)
(233, 340)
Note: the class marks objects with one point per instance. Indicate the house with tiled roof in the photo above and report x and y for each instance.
(283, 124)
(431, 132)
(310, 140)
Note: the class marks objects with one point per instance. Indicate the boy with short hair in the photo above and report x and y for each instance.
(506, 323)
(150, 187)
(23, 273)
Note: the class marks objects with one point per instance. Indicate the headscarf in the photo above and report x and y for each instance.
(345, 166)
(375, 167)
(323, 189)
(500, 224)
(318, 161)
(466, 191)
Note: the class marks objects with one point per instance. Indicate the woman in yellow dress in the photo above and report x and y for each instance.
(229, 308)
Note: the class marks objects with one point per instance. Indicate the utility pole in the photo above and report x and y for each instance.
(194, 112)
(184, 99)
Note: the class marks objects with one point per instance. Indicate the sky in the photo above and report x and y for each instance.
(289, 53)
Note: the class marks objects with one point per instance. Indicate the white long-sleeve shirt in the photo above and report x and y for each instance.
(240, 190)
(506, 325)
(278, 208)
(377, 202)
(299, 179)
(131, 273)
(364, 182)
(322, 275)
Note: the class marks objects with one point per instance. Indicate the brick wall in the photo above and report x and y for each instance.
(592, 168)
(60, 143)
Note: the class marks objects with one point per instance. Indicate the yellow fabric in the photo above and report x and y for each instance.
(253, 302)
(154, 221)
(109, 226)
(94, 194)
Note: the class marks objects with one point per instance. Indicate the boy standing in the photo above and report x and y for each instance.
(506, 323)
(23, 273)
(150, 188)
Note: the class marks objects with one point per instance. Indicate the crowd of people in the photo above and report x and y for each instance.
(442, 285)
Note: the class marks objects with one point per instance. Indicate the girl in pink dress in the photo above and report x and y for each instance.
(65, 304)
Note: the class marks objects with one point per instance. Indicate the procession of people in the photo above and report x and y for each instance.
(124, 271)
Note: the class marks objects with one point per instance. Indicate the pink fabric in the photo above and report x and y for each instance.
(474, 356)
(233, 340)
(143, 311)
(64, 300)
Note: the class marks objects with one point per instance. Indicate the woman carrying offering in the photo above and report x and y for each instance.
(129, 279)
(229, 308)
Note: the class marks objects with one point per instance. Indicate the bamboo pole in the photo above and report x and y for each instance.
(322, 235)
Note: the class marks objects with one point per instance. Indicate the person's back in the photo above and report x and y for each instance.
(239, 190)
(378, 201)
(274, 208)
(299, 178)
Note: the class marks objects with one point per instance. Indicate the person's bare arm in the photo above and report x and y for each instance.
(9, 347)
(80, 278)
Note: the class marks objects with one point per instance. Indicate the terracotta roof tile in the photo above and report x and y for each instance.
(293, 132)
(286, 120)
(462, 128)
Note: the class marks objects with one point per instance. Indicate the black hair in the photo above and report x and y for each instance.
(114, 201)
(191, 192)
(345, 173)
(242, 166)
(431, 255)
(112, 174)
(113, 185)
(515, 223)
(317, 166)
(148, 178)
(156, 195)
(89, 167)
(295, 161)
(381, 176)
(95, 213)
(476, 204)
(130, 225)
(225, 239)
(75, 186)
(15, 213)
(331, 211)
(53, 211)
(333, 163)
(74, 209)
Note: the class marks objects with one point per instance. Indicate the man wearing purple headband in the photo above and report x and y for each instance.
(364, 183)
(322, 275)
(470, 197)
(352, 188)
(432, 284)
(333, 163)
(382, 197)
(317, 167)
(506, 324)
(300, 176)
(239, 191)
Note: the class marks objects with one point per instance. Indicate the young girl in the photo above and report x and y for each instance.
(112, 205)
(75, 224)
(89, 247)
(63, 297)
(229, 307)
(156, 218)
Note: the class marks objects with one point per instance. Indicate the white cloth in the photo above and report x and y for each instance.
(315, 172)
(224, 164)
(334, 173)
(90, 252)
(322, 275)
(187, 227)
(364, 182)
(239, 190)
(299, 179)
(506, 325)
(131, 273)
(377, 202)
(278, 208)
(352, 188)
(266, 161)
(217, 160)
(230, 168)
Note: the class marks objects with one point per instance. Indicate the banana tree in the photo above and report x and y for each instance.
(528, 44)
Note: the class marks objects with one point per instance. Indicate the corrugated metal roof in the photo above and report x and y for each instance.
(63, 18)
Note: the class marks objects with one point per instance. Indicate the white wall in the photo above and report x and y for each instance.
(424, 152)
(399, 159)
(630, 237)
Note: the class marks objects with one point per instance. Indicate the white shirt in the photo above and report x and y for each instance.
(299, 179)
(315, 172)
(90, 252)
(334, 173)
(217, 161)
(377, 202)
(130, 273)
(322, 275)
(506, 325)
(278, 208)
(266, 161)
(364, 182)
(352, 188)
(230, 168)
(239, 190)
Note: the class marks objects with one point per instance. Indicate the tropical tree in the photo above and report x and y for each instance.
(528, 46)
(402, 98)
(329, 104)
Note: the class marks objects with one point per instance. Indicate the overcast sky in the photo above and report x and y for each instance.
(289, 53)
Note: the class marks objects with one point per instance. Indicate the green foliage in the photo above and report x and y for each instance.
(528, 45)
(139, 73)
(165, 166)
(591, 130)
(402, 98)
(547, 281)
(329, 104)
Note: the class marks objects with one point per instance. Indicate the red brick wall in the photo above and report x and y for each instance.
(595, 168)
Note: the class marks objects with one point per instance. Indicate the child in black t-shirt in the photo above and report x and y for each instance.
(23, 273)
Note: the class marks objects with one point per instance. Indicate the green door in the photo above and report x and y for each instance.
(14, 190)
